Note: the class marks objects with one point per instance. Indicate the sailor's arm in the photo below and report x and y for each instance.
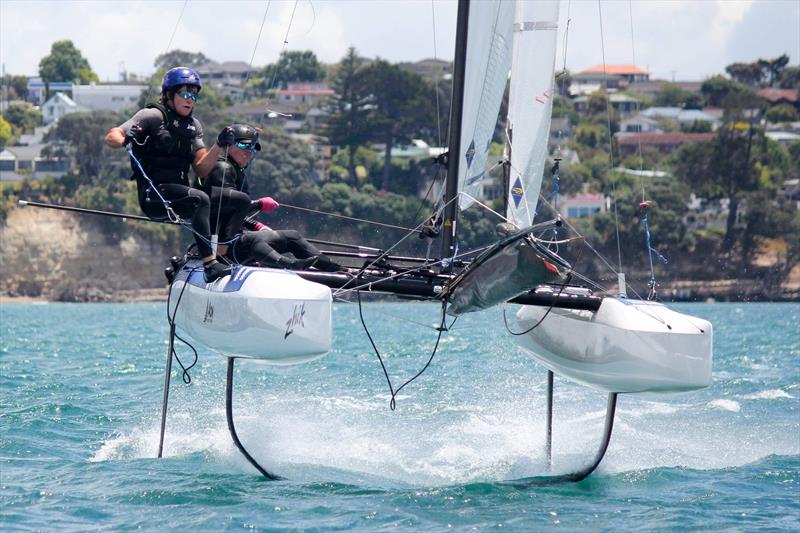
(115, 137)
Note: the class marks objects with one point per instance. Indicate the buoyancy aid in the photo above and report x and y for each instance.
(225, 169)
(167, 152)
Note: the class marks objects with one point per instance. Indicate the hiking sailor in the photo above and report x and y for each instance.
(261, 245)
(165, 139)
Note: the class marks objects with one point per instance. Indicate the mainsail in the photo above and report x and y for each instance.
(530, 105)
(487, 65)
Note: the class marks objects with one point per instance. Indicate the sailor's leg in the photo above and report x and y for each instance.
(232, 428)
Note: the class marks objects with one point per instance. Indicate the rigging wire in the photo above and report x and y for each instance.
(610, 145)
(277, 64)
(436, 78)
(169, 44)
(394, 393)
(354, 219)
(171, 320)
(633, 56)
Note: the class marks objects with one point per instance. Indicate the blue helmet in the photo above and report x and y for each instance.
(175, 77)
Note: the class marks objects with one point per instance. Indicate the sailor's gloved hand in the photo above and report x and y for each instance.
(226, 137)
(134, 134)
(260, 226)
(266, 204)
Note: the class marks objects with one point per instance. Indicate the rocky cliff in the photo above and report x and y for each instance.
(60, 256)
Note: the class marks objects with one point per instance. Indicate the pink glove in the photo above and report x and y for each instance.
(261, 227)
(268, 204)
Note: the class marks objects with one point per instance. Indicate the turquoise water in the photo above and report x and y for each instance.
(80, 400)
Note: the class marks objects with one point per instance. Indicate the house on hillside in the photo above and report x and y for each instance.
(651, 88)
(666, 143)
(683, 117)
(107, 97)
(640, 124)
(304, 94)
(227, 78)
(582, 205)
(433, 70)
(19, 162)
(57, 106)
(37, 89)
(322, 150)
(780, 96)
(613, 77)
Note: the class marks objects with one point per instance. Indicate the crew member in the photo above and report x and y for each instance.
(259, 244)
(166, 140)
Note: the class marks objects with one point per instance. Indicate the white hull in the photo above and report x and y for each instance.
(260, 313)
(624, 346)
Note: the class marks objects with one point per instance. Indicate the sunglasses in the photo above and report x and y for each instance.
(245, 146)
(186, 95)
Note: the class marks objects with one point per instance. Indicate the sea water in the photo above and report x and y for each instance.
(80, 401)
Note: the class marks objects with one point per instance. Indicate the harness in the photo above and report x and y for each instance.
(166, 154)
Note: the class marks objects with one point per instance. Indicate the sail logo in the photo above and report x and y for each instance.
(209, 314)
(296, 320)
(545, 96)
(517, 192)
(470, 153)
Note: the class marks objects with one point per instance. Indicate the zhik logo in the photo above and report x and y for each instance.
(296, 320)
(209, 317)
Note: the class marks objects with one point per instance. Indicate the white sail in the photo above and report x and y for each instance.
(530, 104)
(488, 61)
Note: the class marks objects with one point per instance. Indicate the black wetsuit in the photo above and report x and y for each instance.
(228, 181)
(267, 248)
(166, 155)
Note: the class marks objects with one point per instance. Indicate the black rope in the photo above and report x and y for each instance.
(171, 320)
(394, 393)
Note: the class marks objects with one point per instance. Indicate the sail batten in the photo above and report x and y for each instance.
(487, 66)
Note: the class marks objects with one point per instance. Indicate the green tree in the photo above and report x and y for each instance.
(292, 66)
(773, 67)
(782, 113)
(751, 74)
(5, 132)
(17, 86)
(790, 78)
(179, 58)
(401, 107)
(23, 116)
(348, 122)
(65, 63)
(725, 168)
(671, 95)
(84, 135)
(716, 88)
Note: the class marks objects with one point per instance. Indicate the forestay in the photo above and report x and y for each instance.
(488, 61)
(530, 104)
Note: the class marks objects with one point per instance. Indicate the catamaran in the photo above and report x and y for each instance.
(608, 342)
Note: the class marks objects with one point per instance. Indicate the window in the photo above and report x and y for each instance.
(584, 212)
(7, 165)
(51, 165)
(25, 165)
(572, 212)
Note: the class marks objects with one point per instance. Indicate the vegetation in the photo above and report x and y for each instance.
(66, 63)
(378, 106)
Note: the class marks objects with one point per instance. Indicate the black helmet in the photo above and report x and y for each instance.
(242, 133)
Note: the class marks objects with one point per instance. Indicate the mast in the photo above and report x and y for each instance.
(454, 132)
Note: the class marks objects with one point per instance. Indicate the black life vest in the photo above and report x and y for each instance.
(227, 170)
(167, 153)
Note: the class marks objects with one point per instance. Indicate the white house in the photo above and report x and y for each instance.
(582, 205)
(106, 97)
(57, 106)
(17, 162)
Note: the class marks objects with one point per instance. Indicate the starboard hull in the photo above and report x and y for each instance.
(260, 313)
(624, 346)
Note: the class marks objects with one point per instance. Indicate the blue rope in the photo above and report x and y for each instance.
(170, 213)
(650, 251)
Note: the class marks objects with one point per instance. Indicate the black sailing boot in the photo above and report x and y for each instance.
(213, 270)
